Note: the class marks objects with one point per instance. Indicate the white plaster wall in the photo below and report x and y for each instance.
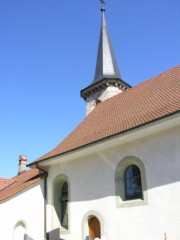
(92, 188)
(27, 207)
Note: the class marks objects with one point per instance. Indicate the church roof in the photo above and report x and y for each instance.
(4, 182)
(9, 187)
(149, 101)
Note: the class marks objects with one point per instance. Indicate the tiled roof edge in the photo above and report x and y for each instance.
(107, 137)
(41, 176)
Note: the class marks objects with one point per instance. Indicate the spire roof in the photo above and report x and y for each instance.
(107, 71)
(106, 64)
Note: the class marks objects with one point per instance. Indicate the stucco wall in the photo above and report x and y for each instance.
(27, 208)
(92, 190)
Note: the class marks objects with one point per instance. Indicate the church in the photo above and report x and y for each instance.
(116, 176)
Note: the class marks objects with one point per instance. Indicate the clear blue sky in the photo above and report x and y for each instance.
(47, 55)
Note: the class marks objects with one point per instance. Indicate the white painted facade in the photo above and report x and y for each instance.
(91, 175)
(95, 177)
(23, 214)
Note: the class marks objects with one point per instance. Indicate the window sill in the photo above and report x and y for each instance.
(64, 230)
(130, 203)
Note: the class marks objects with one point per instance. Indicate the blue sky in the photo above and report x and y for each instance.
(48, 53)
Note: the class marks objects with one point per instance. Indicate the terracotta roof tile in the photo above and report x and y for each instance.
(148, 101)
(19, 182)
(4, 182)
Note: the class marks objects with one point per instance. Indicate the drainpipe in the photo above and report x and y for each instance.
(45, 200)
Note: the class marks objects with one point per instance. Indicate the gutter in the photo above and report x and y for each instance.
(45, 200)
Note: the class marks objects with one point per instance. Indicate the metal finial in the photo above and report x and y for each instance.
(102, 1)
(102, 9)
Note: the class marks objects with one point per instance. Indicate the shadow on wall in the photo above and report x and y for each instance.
(26, 237)
(54, 235)
(98, 174)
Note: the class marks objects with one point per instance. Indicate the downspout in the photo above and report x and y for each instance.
(45, 201)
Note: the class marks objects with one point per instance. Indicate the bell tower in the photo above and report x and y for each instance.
(107, 80)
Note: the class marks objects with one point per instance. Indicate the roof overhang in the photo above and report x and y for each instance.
(164, 123)
(102, 84)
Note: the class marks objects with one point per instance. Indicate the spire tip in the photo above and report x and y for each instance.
(103, 3)
(102, 9)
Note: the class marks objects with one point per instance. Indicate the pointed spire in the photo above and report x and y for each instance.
(107, 80)
(106, 64)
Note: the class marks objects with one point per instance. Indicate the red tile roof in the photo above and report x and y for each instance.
(9, 187)
(151, 100)
(4, 182)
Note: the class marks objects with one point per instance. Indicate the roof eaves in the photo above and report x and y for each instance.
(28, 183)
(106, 138)
(104, 81)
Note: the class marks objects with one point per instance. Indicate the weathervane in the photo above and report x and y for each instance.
(102, 1)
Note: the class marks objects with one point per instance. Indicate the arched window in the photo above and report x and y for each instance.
(130, 183)
(61, 200)
(19, 232)
(133, 186)
(64, 205)
(94, 228)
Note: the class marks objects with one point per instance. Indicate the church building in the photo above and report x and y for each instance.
(116, 176)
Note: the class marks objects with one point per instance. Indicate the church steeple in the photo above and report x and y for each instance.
(107, 80)
(106, 64)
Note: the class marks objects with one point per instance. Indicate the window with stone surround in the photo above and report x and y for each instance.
(61, 202)
(130, 183)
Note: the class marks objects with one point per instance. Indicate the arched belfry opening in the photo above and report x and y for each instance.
(94, 227)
